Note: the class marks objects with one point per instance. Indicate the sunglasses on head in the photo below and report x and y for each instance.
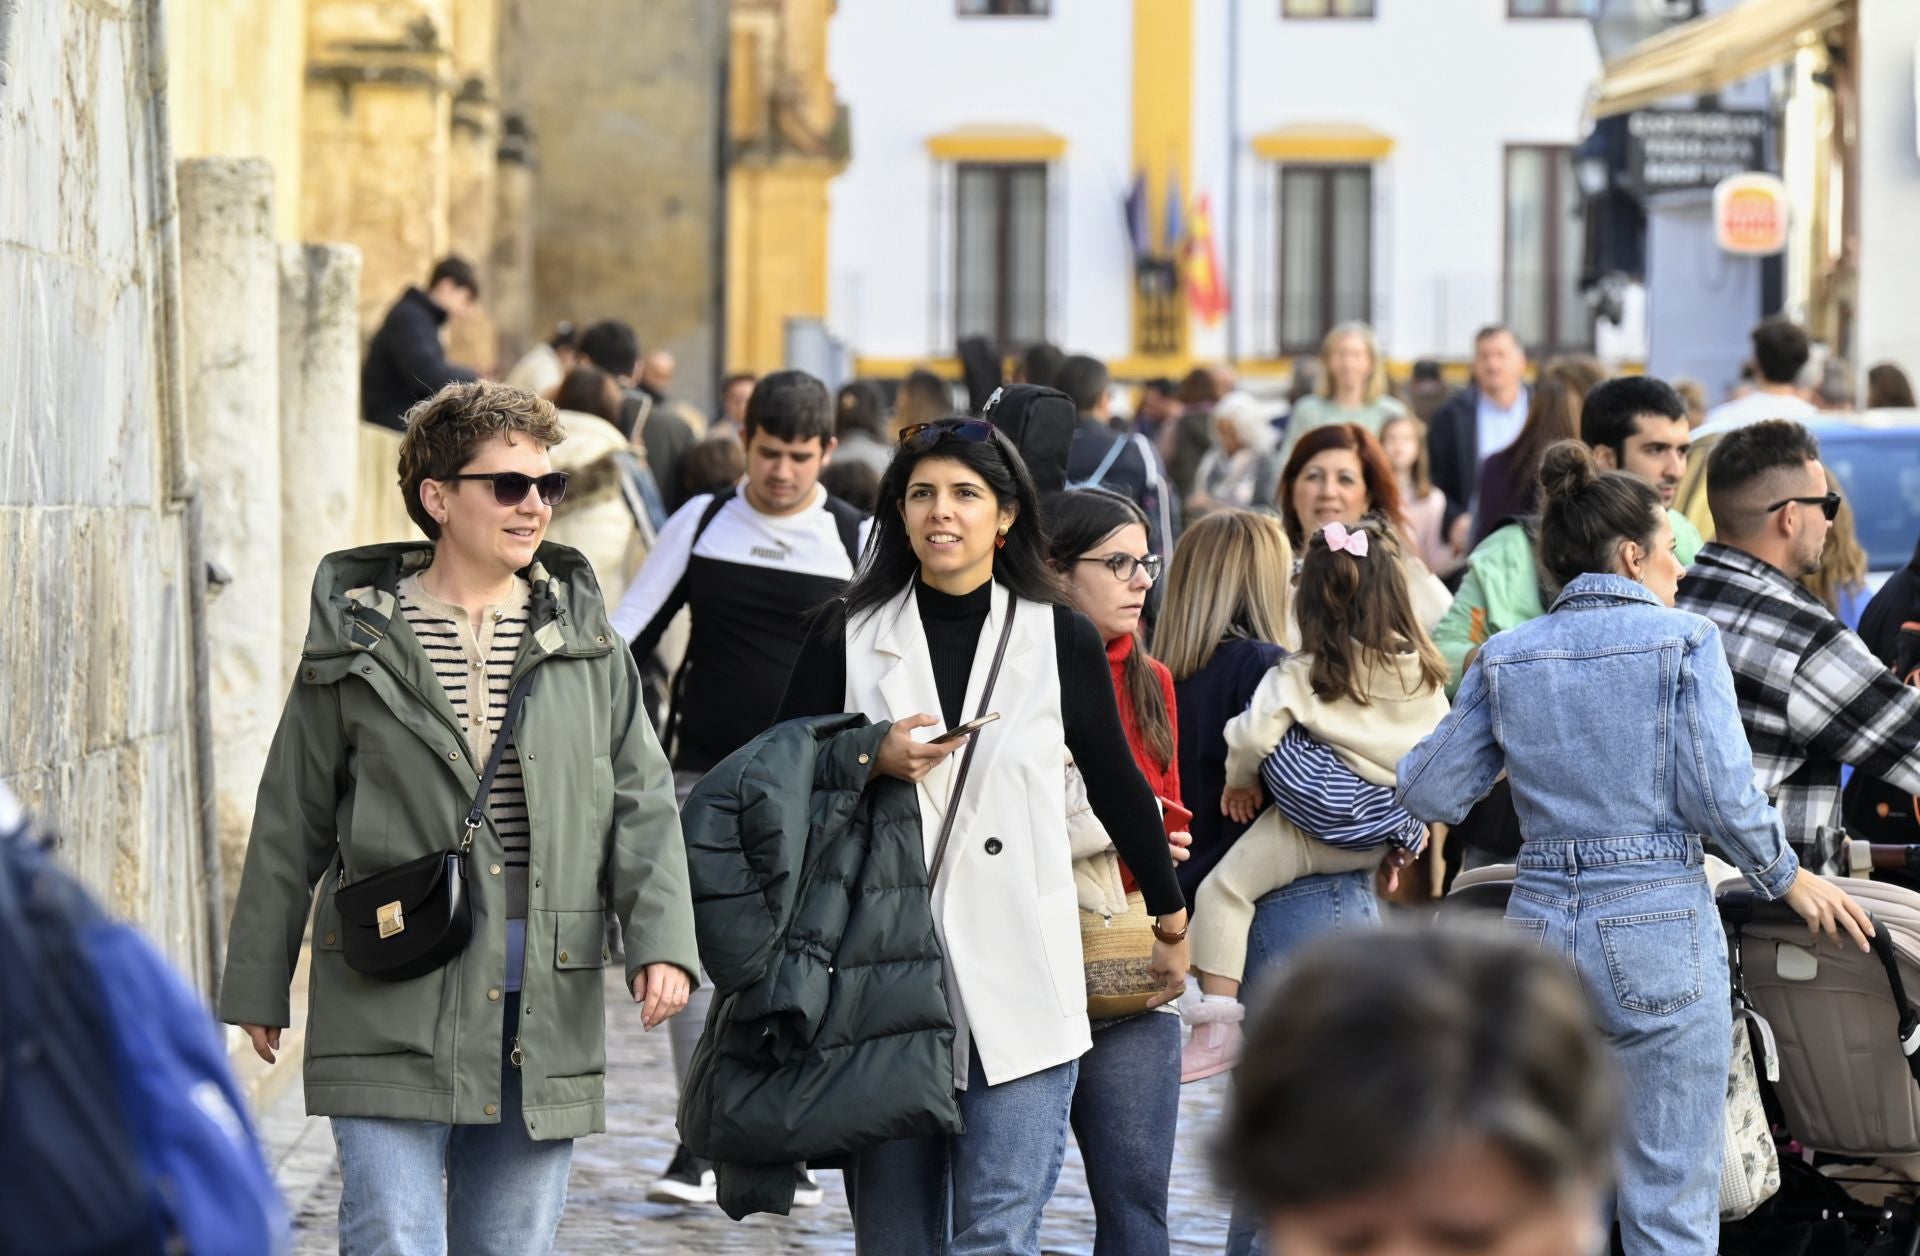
(927, 435)
(1829, 505)
(510, 487)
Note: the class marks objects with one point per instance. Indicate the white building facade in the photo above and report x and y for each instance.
(1405, 162)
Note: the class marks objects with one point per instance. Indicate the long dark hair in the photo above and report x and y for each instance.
(1357, 611)
(890, 565)
(1078, 521)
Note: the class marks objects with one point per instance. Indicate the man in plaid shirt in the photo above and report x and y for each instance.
(1812, 696)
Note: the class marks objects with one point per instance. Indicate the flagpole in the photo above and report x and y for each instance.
(1230, 219)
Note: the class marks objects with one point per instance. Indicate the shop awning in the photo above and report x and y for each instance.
(1710, 53)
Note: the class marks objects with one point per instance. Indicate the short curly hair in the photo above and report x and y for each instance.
(444, 431)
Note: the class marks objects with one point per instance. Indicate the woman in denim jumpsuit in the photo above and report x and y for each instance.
(1614, 717)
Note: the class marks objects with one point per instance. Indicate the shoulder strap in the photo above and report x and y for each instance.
(1114, 451)
(476, 815)
(973, 743)
(708, 515)
(846, 520)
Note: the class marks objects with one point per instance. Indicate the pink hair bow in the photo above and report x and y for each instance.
(1338, 539)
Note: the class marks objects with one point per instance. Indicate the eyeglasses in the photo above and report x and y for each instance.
(510, 487)
(1124, 565)
(923, 436)
(1829, 505)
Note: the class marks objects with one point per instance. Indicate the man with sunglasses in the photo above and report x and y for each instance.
(749, 565)
(1812, 696)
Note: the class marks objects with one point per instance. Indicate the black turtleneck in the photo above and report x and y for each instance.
(952, 625)
(1121, 799)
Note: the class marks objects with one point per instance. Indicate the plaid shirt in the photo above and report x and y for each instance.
(1812, 696)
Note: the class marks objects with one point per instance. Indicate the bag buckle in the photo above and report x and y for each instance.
(466, 841)
(391, 919)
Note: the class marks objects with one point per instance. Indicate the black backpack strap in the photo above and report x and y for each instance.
(847, 520)
(707, 516)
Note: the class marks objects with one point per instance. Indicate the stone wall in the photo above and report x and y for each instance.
(624, 96)
(97, 684)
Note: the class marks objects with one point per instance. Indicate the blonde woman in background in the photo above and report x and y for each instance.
(1353, 387)
(1222, 619)
(1404, 437)
(1841, 582)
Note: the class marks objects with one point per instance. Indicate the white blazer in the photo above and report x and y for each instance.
(1004, 906)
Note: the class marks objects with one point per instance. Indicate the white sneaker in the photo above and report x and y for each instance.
(806, 1190)
(688, 1180)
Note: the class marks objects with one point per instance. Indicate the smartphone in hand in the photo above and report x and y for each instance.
(966, 729)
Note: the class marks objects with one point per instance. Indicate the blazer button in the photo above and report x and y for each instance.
(332, 938)
(993, 846)
(490, 1109)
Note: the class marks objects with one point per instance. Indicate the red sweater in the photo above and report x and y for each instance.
(1164, 778)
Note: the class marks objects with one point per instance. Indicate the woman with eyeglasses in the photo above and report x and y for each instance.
(456, 1092)
(1127, 1100)
(955, 580)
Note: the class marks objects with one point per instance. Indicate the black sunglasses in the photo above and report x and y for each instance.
(510, 487)
(1829, 505)
(926, 435)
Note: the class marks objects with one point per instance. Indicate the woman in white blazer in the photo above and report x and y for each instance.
(956, 551)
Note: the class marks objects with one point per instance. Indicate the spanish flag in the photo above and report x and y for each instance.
(1206, 286)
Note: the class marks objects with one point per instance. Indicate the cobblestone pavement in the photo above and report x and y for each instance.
(607, 1210)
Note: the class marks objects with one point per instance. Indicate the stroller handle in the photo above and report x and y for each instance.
(1741, 907)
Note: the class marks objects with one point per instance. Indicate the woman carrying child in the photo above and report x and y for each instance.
(1325, 729)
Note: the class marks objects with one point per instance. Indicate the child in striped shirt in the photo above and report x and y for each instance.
(1326, 729)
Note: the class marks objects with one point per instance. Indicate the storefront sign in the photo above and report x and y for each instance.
(1682, 150)
(1750, 215)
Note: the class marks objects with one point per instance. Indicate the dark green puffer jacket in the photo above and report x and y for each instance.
(829, 1030)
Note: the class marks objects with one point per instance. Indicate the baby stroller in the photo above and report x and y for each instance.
(1846, 1038)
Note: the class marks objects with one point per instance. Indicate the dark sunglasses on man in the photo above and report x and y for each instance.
(510, 488)
(1829, 505)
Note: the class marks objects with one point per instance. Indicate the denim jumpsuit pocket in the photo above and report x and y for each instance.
(1654, 960)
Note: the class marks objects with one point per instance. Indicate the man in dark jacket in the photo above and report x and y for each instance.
(1897, 602)
(613, 346)
(1103, 458)
(1478, 421)
(406, 363)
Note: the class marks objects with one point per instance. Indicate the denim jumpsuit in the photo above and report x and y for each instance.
(1615, 720)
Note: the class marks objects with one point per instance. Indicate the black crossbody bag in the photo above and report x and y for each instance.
(411, 919)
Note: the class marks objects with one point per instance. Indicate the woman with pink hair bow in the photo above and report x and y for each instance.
(1321, 739)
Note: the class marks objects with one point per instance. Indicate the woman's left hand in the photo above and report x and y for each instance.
(1177, 844)
(662, 990)
(1170, 962)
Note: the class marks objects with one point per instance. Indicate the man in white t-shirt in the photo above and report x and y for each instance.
(1780, 352)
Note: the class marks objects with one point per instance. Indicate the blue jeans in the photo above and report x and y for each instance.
(1126, 1106)
(502, 1192)
(975, 1194)
(1636, 920)
(1310, 908)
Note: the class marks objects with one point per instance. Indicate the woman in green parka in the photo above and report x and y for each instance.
(467, 1083)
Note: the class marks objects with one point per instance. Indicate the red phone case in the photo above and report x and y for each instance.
(1175, 816)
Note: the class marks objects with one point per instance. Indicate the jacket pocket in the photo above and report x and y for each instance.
(353, 1014)
(1654, 960)
(575, 1025)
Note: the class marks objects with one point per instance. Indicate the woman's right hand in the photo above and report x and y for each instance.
(265, 1041)
(909, 760)
(1828, 908)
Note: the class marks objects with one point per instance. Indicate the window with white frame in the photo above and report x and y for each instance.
(1549, 8)
(1544, 305)
(1000, 252)
(1325, 239)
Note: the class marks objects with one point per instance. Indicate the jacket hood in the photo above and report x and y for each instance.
(353, 597)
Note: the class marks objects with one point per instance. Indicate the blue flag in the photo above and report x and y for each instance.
(1176, 230)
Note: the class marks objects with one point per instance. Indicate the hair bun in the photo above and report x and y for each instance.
(1566, 470)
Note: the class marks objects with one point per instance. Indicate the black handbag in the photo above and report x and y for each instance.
(411, 919)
